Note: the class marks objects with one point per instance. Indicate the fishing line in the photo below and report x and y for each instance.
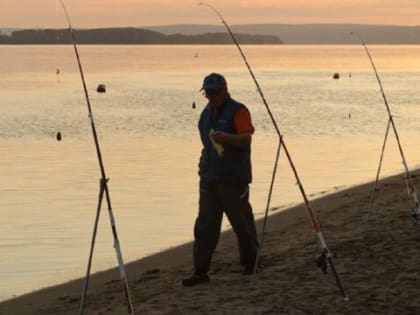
(57, 71)
(326, 255)
(193, 105)
(415, 209)
(103, 189)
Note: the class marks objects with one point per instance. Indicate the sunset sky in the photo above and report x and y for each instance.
(104, 13)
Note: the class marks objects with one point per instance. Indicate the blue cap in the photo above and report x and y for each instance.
(213, 82)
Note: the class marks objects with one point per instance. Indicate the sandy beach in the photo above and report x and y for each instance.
(377, 264)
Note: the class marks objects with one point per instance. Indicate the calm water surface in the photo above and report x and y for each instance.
(147, 128)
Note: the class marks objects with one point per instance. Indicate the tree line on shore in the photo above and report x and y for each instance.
(128, 35)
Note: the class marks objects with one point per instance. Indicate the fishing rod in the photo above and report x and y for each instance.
(415, 206)
(325, 255)
(372, 198)
(103, 189)
(280, 137)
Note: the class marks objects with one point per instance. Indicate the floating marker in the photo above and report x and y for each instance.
(101, 88)
(58, 136)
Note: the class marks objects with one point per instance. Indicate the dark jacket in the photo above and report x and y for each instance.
(234, 166)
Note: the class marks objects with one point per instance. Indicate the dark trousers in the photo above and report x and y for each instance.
(234, 201)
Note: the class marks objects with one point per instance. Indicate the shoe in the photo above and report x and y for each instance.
(195, 279)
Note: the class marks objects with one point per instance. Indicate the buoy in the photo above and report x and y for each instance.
(193, 105)
(58, 136)
(101, 88)
(336, 76)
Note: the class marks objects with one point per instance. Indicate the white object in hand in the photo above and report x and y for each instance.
(217, 146)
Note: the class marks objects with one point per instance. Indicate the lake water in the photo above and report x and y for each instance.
(147, 130)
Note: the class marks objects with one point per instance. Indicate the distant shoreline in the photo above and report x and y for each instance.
(270, 34)
(129, 36)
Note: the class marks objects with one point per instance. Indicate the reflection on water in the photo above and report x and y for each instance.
(334, 130)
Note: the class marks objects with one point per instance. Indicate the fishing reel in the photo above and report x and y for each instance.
(323, 259)
(415, 208)
(415, 212)
(321, 262)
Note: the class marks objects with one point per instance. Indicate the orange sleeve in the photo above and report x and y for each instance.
(242, 121)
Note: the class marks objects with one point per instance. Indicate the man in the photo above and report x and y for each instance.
(225, 173)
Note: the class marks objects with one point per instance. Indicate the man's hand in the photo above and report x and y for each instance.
(238, 140)
(220, 136)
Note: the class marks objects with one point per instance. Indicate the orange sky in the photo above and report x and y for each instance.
(102, 13)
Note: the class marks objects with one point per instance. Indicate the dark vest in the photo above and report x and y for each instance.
(234, 166)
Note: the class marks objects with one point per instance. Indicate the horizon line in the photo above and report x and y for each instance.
(214, 25)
